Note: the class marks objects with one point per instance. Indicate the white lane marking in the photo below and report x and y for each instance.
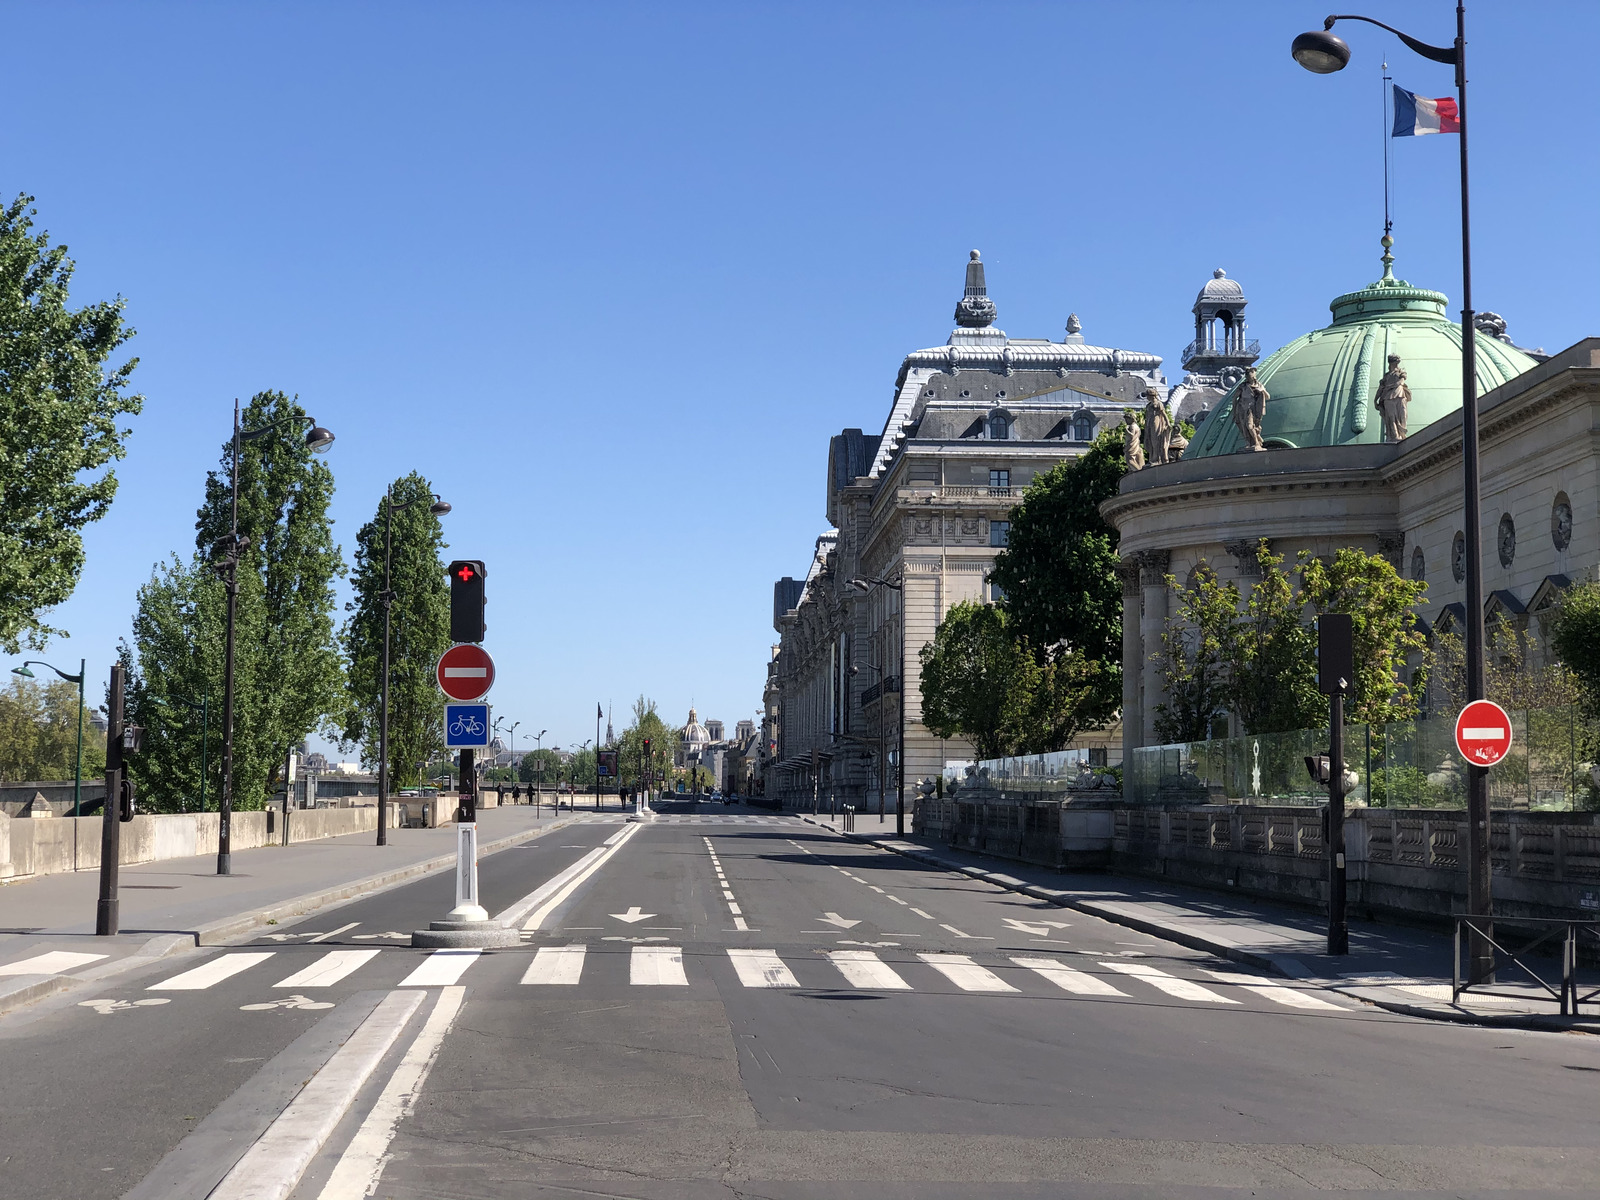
(272, 1167)
(734, 908)
(1278, 993)
(864, 969)
(442, 967)
(966, 974)
(330, 968)
(356, 1173)
(322, 937)
(556, 964)
(55, 962)
(1064, 977)
(614, 838)
(738, 923)
(877, 889)
(726, 894)
(971, 937)
(897, 900)
(923, 915)
(761, 969)
(1183, 989)
(222, 967)
(106, 1007)
(577, 878)
(657, 966)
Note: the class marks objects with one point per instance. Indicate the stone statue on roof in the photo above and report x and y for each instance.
(1157, 429)
(1132, 443)
(1392, 400)
(1250, 410)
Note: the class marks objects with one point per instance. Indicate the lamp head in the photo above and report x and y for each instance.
(23, 671)
(1320, 51)
(439, 507)
(319, 439)
(860, 584)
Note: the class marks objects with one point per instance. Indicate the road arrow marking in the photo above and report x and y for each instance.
(834, 918)
(1036, 928)
(632, 915)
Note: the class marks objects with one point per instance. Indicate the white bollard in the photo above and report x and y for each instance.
(467, 907)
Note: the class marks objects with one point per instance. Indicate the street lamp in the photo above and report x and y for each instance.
(1321, 52)
(865, 585)
(438, 508)
(318, 440)
(77, 763)
(538, 754)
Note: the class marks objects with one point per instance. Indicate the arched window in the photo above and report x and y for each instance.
(1083, 427)
(998, 428)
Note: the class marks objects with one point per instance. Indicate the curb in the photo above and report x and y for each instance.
(21, 990)
(1278, 964)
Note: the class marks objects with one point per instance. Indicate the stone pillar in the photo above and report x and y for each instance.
(1153, 566)
(1132, 663)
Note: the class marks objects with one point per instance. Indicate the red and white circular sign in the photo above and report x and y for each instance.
(1483, 733)
(465, 672)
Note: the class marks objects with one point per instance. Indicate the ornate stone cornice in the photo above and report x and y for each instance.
(1243, 551)
(1153, 565)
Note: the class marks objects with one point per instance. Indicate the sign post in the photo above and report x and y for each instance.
(1483, 738)
(1336, 670)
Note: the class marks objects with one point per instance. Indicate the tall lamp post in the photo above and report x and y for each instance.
(883, 761)
(1321, 52)
(865, 586)
(538, 754)
(77, 762)
(438, 508)
(318, 440)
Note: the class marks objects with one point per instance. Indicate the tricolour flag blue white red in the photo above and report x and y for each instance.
(1414, 114)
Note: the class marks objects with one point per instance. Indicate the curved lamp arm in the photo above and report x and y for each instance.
(1441, 54)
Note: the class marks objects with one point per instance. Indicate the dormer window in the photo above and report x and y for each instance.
(998, 427)
(1083, 426)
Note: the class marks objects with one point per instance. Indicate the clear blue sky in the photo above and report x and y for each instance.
(611, 274)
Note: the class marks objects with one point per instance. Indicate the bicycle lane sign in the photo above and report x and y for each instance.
(466, 726)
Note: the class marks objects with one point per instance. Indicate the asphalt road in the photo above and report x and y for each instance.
(726, 1003)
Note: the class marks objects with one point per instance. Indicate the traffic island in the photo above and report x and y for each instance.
(461, 935)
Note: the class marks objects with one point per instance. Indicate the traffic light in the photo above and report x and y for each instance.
(1320, 768)
(466, 600)
(125, 802)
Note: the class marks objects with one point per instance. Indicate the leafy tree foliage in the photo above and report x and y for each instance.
(1273, 656)
(419, 634)
(978, 680)
(647, 723)
(174, 662)
(59, 407)
(1195, 653)
(1062, 591)
(1575, 637)
(542, 767)
(39, 732)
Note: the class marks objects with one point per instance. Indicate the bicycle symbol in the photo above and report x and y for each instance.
(466, 726)
(295, 1001)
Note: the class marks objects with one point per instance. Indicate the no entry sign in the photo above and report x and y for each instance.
(465, 672)
(1483, 733)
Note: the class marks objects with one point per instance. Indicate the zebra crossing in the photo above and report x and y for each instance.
(659, 965)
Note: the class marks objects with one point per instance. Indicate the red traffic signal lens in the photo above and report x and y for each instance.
(465, 573)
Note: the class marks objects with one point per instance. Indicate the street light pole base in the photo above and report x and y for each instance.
(462, 935)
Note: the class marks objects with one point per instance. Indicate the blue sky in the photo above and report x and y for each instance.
(611, 274)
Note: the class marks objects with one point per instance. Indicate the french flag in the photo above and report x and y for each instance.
(1415, 115)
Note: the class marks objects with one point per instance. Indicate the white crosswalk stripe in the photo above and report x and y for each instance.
(1279, 992)
(556, 965)
(761, 969)
(53, 962)
(1077, 982)
(1183, 989)
(441, 968)
(329, 969)
(864, 969)
(225, 966)
(967, 975)
(657, 966)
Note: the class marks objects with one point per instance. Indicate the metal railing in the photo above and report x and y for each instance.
(1217, 346)
(889, 686)
(1565, 992)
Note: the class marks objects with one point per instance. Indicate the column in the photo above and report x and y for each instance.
(1153, 566)
(1132, 662)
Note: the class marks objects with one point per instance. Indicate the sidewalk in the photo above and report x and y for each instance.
(177, 904)
(1395, 968)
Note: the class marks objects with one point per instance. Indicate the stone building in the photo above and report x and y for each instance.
(917, 514)
(1328, 478)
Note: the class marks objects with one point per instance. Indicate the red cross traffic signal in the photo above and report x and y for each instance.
(466, 600)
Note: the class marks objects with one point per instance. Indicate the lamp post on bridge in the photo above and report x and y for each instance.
(865, 586)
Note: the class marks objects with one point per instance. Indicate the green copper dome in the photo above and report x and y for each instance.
(1322, 384)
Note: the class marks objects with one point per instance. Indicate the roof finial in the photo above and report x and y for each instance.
(975, 310)
(1388, 258)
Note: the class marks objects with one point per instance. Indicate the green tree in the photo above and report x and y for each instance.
(1059, 574)
(39, 732)
(978, 680)
(1196, 651)
(1273, 656)
(580, 771)
(1575, 638)
(175, 660)
(540, 767)
(59, 406)
(647, 723)
(419, 634)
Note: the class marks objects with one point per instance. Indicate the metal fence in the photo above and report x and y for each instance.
(1404, 764)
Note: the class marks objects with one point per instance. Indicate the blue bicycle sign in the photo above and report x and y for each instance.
(466, 726)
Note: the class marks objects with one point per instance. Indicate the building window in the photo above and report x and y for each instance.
(1083, 427)
(999, 479)
(1097, 756)
(999, 427)
(999, 533)
(1419, 566)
